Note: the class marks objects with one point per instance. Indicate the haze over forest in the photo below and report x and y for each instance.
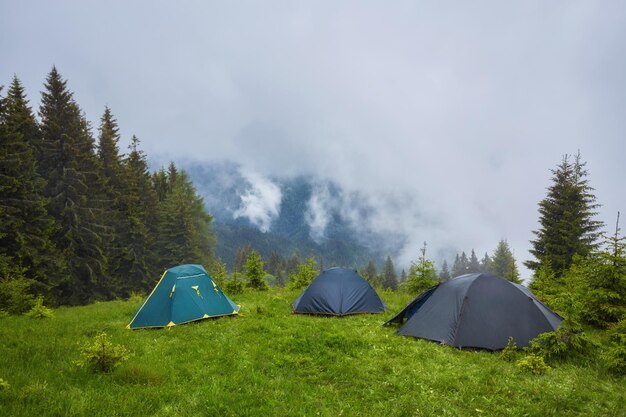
(442, 122)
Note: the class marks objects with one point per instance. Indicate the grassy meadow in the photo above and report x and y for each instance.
(267, 361)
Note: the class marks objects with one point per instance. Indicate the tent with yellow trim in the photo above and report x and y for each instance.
(184, 293)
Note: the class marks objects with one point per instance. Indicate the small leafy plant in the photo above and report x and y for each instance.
(101, 355)
(614, 357)
(40, 311)
(4, 385)
(534, 364)
(510, 350)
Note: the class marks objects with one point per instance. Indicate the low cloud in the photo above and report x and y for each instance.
(260, 203)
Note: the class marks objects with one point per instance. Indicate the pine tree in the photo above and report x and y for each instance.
(274, 263)
(371, 274)
(218, 271)
(485, 263)
(304, 275)
(389, 277)
(473, 264)
(567, 227)
(422, 275)
(75, 193)
(503, 263)
(139, 207)
(239, 263)
(185, 234)
(403, 276)
(444, 274)
(254, 272)
(26, 228)
(457, 268)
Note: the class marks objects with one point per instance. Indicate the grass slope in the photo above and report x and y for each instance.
(268, 361)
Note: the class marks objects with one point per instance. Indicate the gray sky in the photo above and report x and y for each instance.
(445, 116)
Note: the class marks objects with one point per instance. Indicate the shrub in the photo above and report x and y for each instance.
(614, 357)
(233, 286)
(534, 364)
(562, 343)
(305, 273)
(510, 350)
(15, 297)
(40, 311)
(101, 355)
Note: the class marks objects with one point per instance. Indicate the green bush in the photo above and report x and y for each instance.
(15, 297)
(233, 286)
(4, 385)
(101, 355)
(566, 341)
(614, 357)
(40, 311)
(510, 350)
(534, 364)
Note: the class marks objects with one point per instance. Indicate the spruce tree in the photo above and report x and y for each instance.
(444, 274)
(26, 227)
(75, 192)
(389, 276)
(422, 275)
(473, 264)
(457, 267)
(485, 263)
(503, 263)
(254, 271)
(371, 274)
(139, 208)
(567, 225)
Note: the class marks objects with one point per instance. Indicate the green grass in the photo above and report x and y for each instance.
(268, 361)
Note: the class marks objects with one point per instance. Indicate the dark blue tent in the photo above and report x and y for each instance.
(338, 291)
(477, 311)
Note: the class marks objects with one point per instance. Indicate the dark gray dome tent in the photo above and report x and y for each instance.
(338, 292)
(477, 311)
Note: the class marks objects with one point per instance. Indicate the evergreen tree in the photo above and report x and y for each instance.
(422, 275)
(503, 263)
(241, 256)
(389, 277)
(457, 267)
(26, 228)
(473, 264)
(139, 207)
(255, 272)
(485, 263)
(75, 193)
(218, 271)
(371, 274)
(304, 275)
(567, 227)
(159, 183)
(274, 264)
(444, 274)
(185, 234)
(403, 276)
(293, 262)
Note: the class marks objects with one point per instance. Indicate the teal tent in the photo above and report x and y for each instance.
(184, 293)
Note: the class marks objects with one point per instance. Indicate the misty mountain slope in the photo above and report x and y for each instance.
(281, 214)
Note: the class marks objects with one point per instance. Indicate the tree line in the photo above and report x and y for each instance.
(82, 221)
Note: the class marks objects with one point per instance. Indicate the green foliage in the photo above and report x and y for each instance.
(614, 356)
(371, 274)
(39, 311)
(389, 277)
(218, 271)
(255, 273)
(15, 295)
(422, 275)
(502, 263)
(4, 385)
(305, 273)
(534, 364)
(101, 355)
(233, 286)
(567, 227)
(565, 342)
(510, 350)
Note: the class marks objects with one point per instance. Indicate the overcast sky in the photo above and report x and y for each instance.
(446, 116)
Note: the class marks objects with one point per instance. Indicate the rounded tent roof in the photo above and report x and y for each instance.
(338, 291)
(478, 311)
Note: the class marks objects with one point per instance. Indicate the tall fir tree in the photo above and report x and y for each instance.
(567, 224)
(75, 193)
(254, 271)
(422, 275)
(485, 263)
(185, 234)
(444, 274)
(503, 263)
(371, 274)
(457, 267)
(389, 276)
(139, 207)
(26, 227)
(473, 265)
